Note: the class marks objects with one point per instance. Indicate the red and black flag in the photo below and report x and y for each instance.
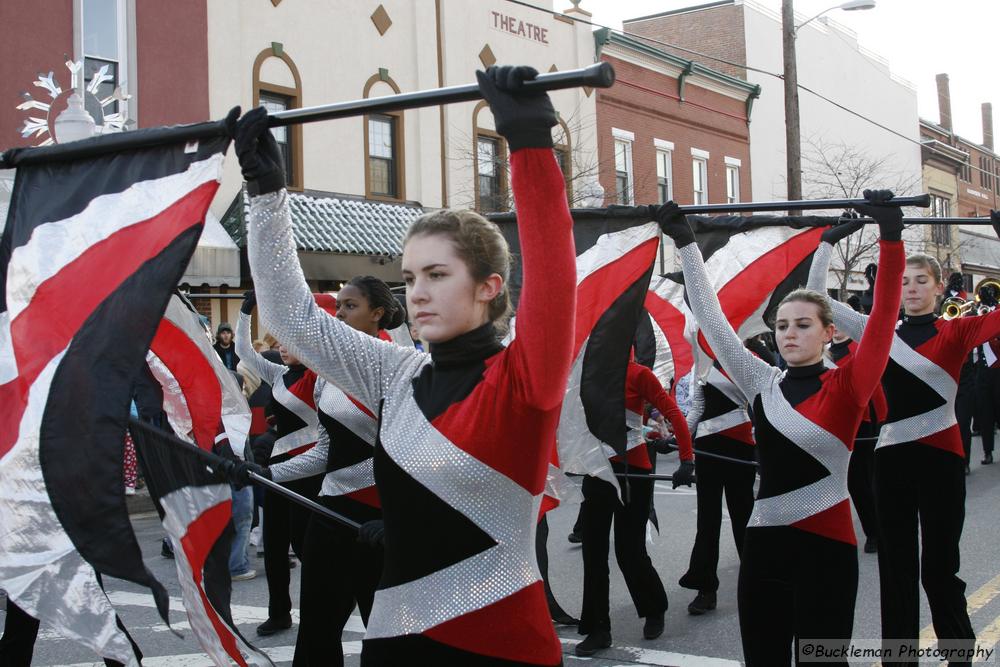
(97, 235)
(196, 511)
(616, 251)
(752, 262)
(199, 392)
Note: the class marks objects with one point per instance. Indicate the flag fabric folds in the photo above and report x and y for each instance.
(752, 262)
(98, 232)
(196, 511)
(199, 392)
(615, 258)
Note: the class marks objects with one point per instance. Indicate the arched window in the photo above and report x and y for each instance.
(563, 147)
(277, 86)
(385, 164)
(489, 165)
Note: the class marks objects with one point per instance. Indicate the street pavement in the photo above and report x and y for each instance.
(712, 640)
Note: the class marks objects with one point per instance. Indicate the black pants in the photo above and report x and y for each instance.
(337, 572)
(965, 406)
(284, 525)
(600, 507)
(861, 486)
(921, 485)
(794, 585)
(716, 477)
(20, 631)
(987, 405)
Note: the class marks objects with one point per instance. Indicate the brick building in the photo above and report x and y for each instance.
(742, 38)
(670, 128)
(963, 179)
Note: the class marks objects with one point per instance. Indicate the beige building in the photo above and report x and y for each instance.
(358, 182)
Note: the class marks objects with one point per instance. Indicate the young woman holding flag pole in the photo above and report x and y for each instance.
(466, 431)
(799, 569)
(919, 456)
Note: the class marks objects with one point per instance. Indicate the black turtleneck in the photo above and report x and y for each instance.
(457, 368)
(918, 329)
(840, 350)
(801, 382)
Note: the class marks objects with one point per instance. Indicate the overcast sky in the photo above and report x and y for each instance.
(919, 38)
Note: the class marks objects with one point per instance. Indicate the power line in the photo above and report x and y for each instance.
(761, 71)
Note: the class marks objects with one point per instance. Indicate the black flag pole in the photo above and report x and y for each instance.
(598, 75)
(922, 201)
(213, 460)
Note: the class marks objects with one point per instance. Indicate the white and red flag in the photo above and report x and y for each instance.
(97, 235)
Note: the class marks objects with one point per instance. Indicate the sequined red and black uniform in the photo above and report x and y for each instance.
(464, 443)
(294, 409)
(719, 421)
(601, 506)
(920, 467)
(799, 571)
(338, 571)
(861, 473)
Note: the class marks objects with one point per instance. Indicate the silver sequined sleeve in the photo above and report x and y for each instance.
(748, 372)
(697, 397)
(310, 462)
(361, 365)
(268, 371)
(848, 320)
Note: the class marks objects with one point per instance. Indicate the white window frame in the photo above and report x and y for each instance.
(124, 47)
(665, 148)
(700, 158)
(627, 139)
(733, 166)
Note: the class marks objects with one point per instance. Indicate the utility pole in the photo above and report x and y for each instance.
(793, 147)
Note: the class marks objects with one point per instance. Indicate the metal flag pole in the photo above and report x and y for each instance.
(213, 460)
(598, 75)
(612, 212)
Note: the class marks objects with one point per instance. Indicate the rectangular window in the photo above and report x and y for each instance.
(732, 184)
(940, 208)
(699, 175)
(986, 173)
(490, 177)
(623, 172)
(274, 103)
(965, 173)
(382, 161)
(664, 175)
(102, 24)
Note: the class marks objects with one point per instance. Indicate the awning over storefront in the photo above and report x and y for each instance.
(216, 260)
(339, 236)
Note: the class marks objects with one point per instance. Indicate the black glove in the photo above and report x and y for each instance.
(664, 445)
(995, 221)
(888, 217)
(842, 229)
(260, 158)
(672, 222)
(372, 533)
(262, 446)
(238, 472)
(525, 119)
(684, 475)
(249, 301)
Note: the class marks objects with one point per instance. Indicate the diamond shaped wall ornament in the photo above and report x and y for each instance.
(381, 19)
(553, 69)
(275, 2)
(486, 56)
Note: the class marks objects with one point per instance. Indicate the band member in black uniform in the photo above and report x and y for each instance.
(720, 424)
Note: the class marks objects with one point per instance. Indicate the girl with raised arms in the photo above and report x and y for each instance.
(466, 430)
